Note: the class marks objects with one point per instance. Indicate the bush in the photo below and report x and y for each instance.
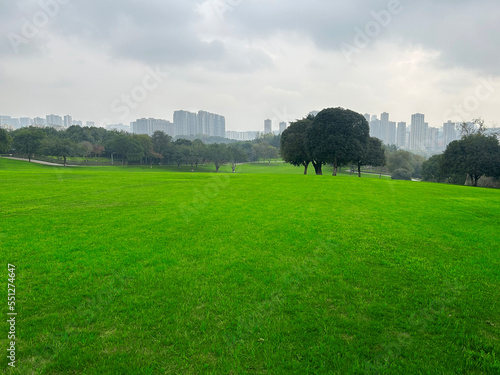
(401, 174)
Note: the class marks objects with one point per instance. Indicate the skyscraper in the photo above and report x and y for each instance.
(54, 120)
(68, 121)
(418, 132)
(185, 123)
(283, 126)
(268, 126)
(449, 133)
(401, 135)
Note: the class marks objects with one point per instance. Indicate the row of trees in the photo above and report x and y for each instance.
(469, 159)
(133, 148)
(334, 136)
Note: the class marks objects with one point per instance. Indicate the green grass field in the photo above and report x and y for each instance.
(155, 271)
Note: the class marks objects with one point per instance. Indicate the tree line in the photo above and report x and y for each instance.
(334, 136)
(473, 157)
(160, 148)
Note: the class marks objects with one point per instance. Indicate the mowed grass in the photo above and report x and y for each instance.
(146, 271)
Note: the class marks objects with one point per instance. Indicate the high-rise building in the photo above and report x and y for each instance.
(418, 132)
(141, 126)
(367, 117)
(401, 135)
(54, 120)
(449, 133)
(268, 126)
(432, 141)
(68, 121)
(283, 126)
(90, 123)
(77, 122)
(375, 128)
(25, 121)
(39, 121)
(185, 123)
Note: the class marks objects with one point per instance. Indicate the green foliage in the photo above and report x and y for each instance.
(27, 141)
(473, 156)
(432, 169)
(401, 174)
(401, 159)
(294, 148)
(372, 155)
(5, 140)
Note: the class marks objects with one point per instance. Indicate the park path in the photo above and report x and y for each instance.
(39, 162)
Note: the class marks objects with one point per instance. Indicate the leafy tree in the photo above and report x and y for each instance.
(126, 147)
(5, 140)
(219, 154)
(198, 150)
(27, 141)
(474, 156)
(337, 136)
(399, 160)
(237, 155)
(401, 174)
(373, 155)
(432, 169)
(294, 148)
(61, 147)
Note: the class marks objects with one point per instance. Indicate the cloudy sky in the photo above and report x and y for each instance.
(115, 61)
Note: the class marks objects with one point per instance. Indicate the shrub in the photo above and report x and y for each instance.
(401, 174)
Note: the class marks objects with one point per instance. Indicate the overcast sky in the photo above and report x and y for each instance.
(115, 61)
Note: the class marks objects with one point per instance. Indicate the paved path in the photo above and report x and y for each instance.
(39, 162)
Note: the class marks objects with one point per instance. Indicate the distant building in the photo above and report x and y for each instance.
(401, 135)
(242, 136)
(90, 123)
(119, 127)
(39, 121)
(367, 117)
(77, 122)
(283, 126)
(68, 121)
(25, 121)
(418, 132)
(432, 141)
(313, 113)
(54, 120)
(449, 133)
(268, 126)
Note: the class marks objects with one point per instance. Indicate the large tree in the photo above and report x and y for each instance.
(337, 136)
(474, 155)
(219, 154)
(27, 141)
(373, 155)
(61, 147)
(5, 140)
(293, 144)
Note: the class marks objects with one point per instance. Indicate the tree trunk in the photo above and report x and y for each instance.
(305, 167)
(234, 167)
(217, 168)
(29, 158)
(359, 170)
(334, 169)
(64, 160)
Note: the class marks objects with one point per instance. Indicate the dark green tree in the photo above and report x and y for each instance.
(475, 155)
(219, 154)
(237, 155)
(5, 140)
(337, 136)
(373, 155)
(60, 147)
(432, 169)
(294, 148)
(27, 141)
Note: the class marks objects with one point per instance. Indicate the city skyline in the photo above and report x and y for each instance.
(248, 61)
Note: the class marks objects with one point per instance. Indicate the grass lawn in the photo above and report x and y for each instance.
(155, 271)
